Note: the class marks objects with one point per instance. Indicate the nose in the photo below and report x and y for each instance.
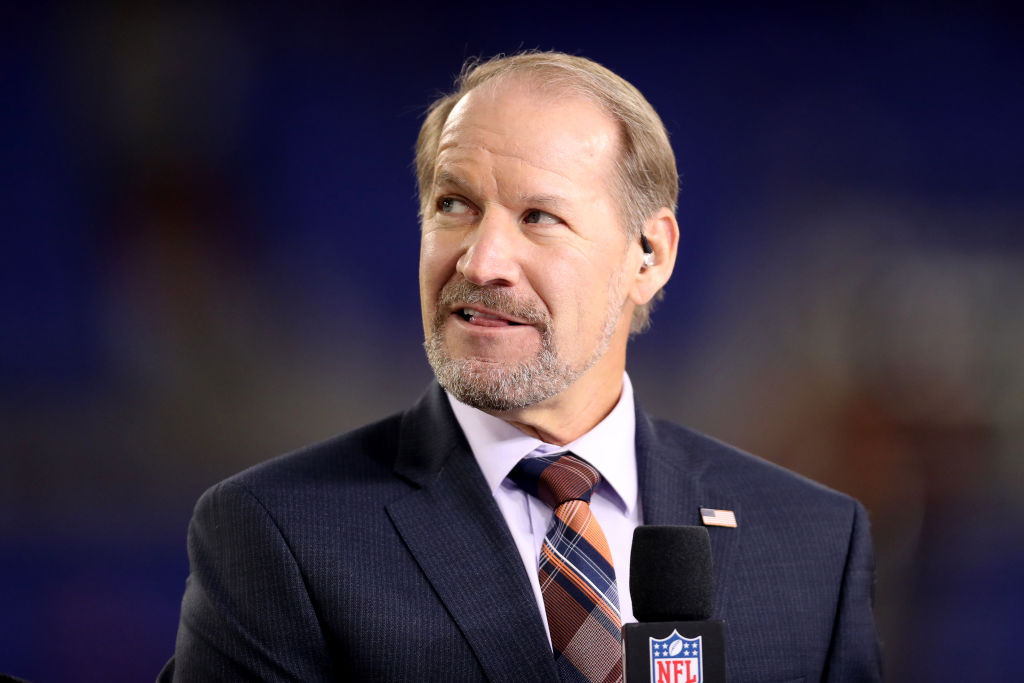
(491, 252)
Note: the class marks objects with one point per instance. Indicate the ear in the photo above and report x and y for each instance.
(662, 232)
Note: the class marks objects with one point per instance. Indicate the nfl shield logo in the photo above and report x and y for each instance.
(676, 659)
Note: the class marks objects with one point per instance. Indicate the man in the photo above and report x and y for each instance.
(424, 547)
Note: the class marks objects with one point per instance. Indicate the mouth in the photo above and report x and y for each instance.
(485, 318)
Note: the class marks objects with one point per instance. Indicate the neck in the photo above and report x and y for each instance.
(566, 417)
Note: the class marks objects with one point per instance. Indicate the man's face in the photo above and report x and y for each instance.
(523, 258)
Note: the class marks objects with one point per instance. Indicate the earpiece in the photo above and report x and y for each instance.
(648, 251)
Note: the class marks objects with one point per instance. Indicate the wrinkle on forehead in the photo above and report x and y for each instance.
(475, 133)
(479, 173)
(518, 194)
(443, 166)
(483, 125)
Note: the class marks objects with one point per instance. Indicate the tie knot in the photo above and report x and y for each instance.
(556, 479)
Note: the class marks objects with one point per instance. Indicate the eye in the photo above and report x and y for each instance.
(541, 217)
(451, 205)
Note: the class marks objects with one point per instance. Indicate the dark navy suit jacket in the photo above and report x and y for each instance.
(381, 555)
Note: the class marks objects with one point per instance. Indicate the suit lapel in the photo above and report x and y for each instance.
(673, 488)
(455, 532)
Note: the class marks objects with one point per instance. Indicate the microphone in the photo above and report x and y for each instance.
(671, 584)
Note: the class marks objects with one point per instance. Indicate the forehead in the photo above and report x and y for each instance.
(516, 123)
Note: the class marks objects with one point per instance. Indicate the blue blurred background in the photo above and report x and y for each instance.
(209, 247)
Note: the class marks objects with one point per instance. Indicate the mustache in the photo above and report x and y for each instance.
(497, 299)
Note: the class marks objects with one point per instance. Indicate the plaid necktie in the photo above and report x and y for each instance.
(577, 579)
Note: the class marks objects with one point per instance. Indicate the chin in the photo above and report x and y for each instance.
(500, 386)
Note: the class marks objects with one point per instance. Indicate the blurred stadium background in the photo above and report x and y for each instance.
(209, 247)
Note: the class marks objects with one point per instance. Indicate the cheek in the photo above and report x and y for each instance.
(580, 291)
(437, 264)
(565, 286)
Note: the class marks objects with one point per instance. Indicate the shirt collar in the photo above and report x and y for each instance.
(610, 446)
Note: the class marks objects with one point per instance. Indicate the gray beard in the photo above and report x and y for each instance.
(497, 386)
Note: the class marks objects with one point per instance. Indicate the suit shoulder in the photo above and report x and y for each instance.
(363, 454)
(744, 474)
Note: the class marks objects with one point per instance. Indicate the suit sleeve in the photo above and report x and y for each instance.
(246, 614)
(854, 651)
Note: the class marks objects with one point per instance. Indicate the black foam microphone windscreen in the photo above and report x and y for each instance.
(670, 573)
(671, 583)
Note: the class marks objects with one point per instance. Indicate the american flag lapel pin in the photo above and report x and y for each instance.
(712, 517)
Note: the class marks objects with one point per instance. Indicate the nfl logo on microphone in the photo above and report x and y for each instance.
(676, 659)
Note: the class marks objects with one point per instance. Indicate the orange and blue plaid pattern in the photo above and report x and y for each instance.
(577, 579)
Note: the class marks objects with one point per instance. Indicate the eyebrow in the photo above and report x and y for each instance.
(447, 178)
(550, 201)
